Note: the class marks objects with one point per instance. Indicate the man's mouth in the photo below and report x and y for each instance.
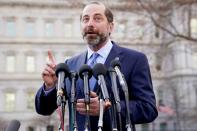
(90, 32)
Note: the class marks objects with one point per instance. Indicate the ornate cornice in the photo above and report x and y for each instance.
(125, 5)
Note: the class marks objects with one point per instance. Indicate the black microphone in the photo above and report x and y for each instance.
(99, 71)
(62, 71)
(85, 73)
(14, 125)
(117, 66)
(73, 78)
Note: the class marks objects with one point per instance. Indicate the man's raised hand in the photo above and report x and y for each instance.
(48, 74)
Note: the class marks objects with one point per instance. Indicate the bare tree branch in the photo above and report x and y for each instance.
(149, 9)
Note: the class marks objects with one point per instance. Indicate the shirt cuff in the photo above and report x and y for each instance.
(46, 92)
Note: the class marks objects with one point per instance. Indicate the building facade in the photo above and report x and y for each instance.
(29, 28)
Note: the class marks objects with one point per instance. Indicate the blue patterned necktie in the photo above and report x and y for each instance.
(92, 81)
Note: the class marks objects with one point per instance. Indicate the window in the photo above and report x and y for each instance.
(10, 63)
(29, 31)
(30, 64)
(10, 101)
(10, 28)
(1, 26)
(163, 127)
(30, 100)
(120, 30)
(67, 30)
(195, 60)
(30, 128)
(157, 32)
(196, 94)
(138, 32)
(193, 26)
(160, 97)
(49, 29)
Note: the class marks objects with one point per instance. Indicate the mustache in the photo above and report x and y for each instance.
(90, 30)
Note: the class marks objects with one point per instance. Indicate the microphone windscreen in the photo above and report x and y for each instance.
(85, 69)
(99, 69)
(62, 67)
(13, 126)
(115, 62)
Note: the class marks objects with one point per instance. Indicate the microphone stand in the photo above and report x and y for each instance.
(100, 121)
(106, 98)
(114, 120)
(61, 126)
(87, 119)
(87, 102)
(125, 90)
(61, 101)
(73, 77)
(116, 101)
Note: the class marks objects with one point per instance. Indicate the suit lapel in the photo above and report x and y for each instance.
(115, 52)
(81, 61)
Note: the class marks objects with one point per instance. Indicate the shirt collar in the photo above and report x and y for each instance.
(103, 52)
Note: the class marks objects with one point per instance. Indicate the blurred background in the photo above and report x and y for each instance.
(165, 30)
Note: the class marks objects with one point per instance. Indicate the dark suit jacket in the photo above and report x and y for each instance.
(134, 66)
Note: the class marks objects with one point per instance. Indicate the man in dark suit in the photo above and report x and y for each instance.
(97, 25)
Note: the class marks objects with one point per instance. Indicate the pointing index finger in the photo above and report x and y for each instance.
(51, 57)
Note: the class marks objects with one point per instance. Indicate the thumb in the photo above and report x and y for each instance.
(93, 94)
(107, 104)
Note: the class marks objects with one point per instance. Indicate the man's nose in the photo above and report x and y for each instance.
(91, 22)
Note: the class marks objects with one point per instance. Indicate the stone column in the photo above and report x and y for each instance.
(1, 100)
(40, 61)
(39, 24)
(58, 28)
(20, 62)
(20, 100)
(20, 25)
(2, 61)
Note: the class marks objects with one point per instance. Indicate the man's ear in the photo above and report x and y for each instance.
(111, 26)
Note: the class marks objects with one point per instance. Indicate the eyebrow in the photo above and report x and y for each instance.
(97, 14)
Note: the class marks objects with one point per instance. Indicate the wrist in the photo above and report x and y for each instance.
(48, 86)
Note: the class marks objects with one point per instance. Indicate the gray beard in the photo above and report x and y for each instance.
(98, 40)
(93, 42)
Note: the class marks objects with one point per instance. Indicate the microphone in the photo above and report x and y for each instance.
(116, 107)
(73, 78)
(85, 73)
(13, 126)
(99, 71)
(114, 88)
(61, 72)
(116, 65)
